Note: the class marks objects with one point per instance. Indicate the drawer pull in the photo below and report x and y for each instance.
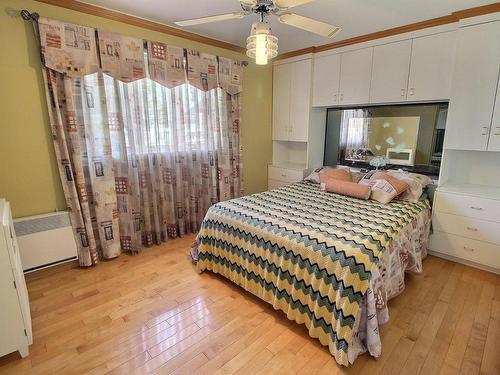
(283, 175)
(468, 249)
(476, 208)
(472, 229)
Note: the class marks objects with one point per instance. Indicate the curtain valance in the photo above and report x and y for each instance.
(72, 50)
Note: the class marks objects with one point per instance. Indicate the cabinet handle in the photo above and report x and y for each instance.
(341, 97)
(472, 229)
(412, 91)
(468, 249)
(403, 91)
(334, 97)
(476, 208)
(283, 175)
(485, 130)
(497, 130)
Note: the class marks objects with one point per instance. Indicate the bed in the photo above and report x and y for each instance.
(328, 261)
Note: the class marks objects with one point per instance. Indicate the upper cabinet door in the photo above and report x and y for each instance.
(300, 100)
(391, 65)
(326, 80)
(355, 77)
(494, 141)
(431, 67)
(474, 86)
(282, 75)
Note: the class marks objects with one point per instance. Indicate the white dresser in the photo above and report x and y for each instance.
(15, 317)
(284, 174)
(466, 223)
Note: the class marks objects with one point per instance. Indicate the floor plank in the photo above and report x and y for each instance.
(153, 313)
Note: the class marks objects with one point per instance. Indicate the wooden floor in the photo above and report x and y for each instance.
(154, 313)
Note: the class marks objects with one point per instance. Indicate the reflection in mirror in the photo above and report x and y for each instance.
(405, 135)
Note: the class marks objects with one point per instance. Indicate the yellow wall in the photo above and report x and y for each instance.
(28, 173)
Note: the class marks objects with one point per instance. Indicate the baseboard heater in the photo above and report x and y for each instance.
(45, 240)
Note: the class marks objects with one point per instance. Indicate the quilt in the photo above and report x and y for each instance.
(309, 253)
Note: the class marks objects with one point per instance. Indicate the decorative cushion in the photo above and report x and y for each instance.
(314, 176)
(351, 189)
(384, 186)
(342, 174)
(416, 182)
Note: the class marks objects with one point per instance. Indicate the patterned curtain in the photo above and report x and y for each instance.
(140, 161)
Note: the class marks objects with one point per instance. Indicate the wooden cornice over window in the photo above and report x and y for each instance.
(140, 22)
(150, 25)
(453, 17)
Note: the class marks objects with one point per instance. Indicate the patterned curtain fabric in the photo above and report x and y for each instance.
(67, 48)
(141, 161)
(122, 57)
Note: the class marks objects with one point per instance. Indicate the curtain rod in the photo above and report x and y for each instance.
(28, 16)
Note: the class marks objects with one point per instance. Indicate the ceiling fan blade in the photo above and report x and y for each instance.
(219, 17)
(287, 4)
(308, 24)
(249, 3)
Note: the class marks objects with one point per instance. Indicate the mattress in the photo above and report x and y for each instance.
(316, 256)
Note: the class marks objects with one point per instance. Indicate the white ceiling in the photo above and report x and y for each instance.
(356, 17)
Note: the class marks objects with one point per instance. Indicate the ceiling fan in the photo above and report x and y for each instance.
(261, 45)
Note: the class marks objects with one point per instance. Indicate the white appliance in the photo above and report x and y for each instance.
(45, 240)
(15, 317)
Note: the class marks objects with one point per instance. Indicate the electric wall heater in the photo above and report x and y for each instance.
(45, 240)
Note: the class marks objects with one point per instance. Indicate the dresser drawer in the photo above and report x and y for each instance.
(465, 248)
(481, 230)
(467, 205)
(285, 174)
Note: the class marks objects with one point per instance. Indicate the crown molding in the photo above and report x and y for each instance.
(141, 22)
(451, 18)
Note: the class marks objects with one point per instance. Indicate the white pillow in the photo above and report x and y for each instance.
(417, 183)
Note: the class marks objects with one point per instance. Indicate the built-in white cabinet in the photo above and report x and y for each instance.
(355, 76)
(281, 101)
(432, 59)
(418, 69)
(474, 85)
(298, 128)
(292, 100)
(494, 141)
(326, 80)
(389, 78)
(466, 227)
(300, 100)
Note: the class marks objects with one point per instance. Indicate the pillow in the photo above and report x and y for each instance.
(399, 185)
(384, 186)
(416, 182)
(342, 174)
(314, 176)
(351, 189)
(357, 176)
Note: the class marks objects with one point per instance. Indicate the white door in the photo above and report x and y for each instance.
(326, 80)
(494, 141)
(431, 68)
(300, 100)
(281, 101)
(355, 76)
(474, 86)
(391, 65)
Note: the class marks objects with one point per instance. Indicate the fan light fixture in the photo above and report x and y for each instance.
(261, 45)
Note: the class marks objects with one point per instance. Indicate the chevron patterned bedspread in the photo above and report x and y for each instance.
(309, 253)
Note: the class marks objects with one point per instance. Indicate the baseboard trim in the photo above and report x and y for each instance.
(464, 261)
